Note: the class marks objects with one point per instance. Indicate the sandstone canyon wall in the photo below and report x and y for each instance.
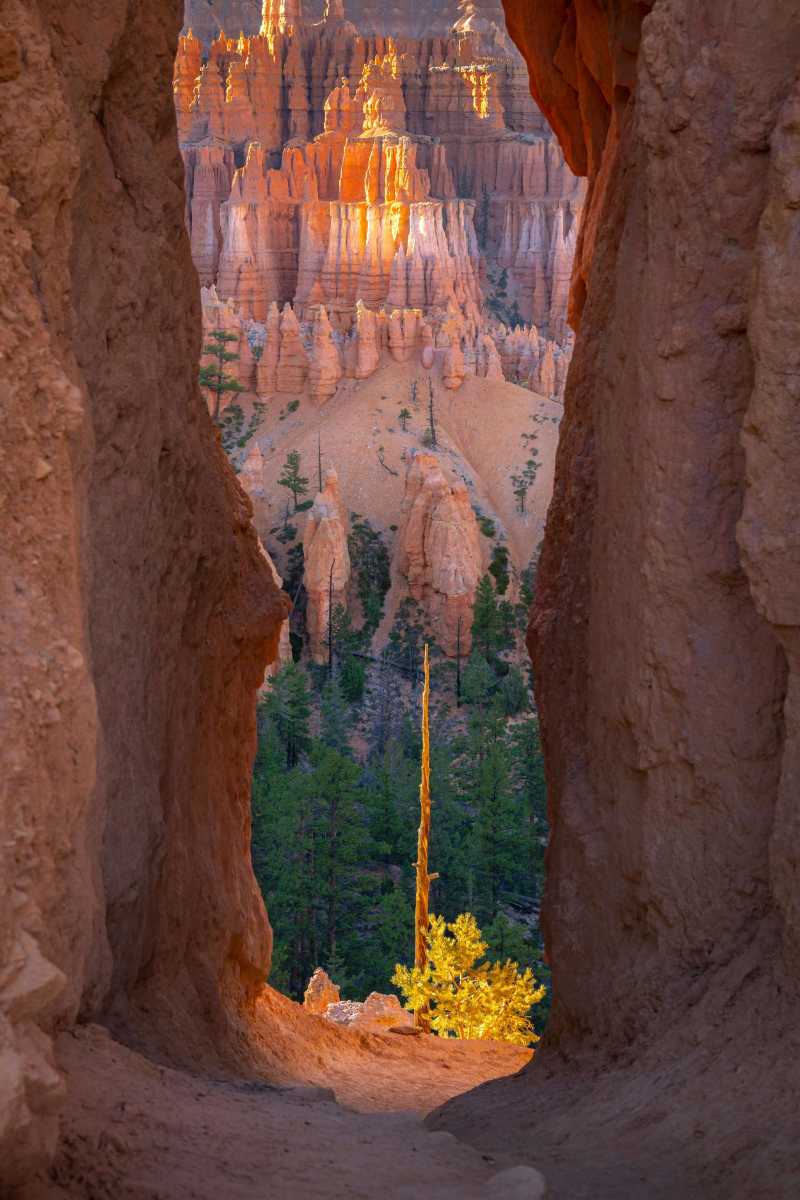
(139, 611)
(663, 633)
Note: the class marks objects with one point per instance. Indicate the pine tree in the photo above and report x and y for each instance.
(485, 786)
(527, 765)
(404, 416)
(431, 441)
(342, 841)
(478, 680)
(213, 376)
(513, 692)
(496, 828)
(353, 678)
(288, 709)
(285, 861)
(393, 936)
(391, 834)
(291, 477)
(482, 220)
(522, 483)
(486, 626)
(334, 718)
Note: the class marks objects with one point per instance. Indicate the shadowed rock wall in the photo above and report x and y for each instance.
(664, 632)
(138, 610)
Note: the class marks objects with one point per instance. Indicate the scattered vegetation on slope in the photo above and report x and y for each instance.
(335, 797)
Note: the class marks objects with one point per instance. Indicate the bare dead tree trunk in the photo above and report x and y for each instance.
(421, 915)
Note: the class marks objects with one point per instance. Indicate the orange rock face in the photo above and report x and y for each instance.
(321, 992)
(439, 551)
(403, 173)
(138, 612)
(664, 631)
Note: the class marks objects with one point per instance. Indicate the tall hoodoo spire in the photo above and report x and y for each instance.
(281, 16)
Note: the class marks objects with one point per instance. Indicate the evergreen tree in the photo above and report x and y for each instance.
(382, 705)
(484, 777)
(496, 827)
(509, 940)
(353, 679)
(470, 999)
(478, 680)
(393, 937)
(213, 376)
(288, 709)
(486, 624)
(522, 483)
(373, 575)
(291, 478)
(285, 858)
(482, 220)
(390, 807)
(342, 843)
(405, 417)
(334, 719)
(431, 441)
(530, 787)
(513, 692)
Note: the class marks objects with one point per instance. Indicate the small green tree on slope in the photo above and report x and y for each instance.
(213, 376)
(291, 477)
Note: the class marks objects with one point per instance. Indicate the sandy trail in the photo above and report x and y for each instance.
(138, 1130)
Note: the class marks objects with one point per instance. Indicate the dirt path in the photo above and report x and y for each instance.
(148, 1132)
(136, 1130)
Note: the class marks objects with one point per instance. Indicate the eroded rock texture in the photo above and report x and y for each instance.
(138, 610)
(412, 175)
(326, 564)
(440, 552)
(664, 629)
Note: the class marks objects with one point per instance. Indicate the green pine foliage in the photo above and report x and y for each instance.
(336, 796)
(213, 376)
(291, 478)
(371, 559)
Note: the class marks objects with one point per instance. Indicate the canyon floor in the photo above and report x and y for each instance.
(335, 1114)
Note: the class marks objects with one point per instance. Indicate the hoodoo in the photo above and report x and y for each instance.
(396, 167)
(440, 552)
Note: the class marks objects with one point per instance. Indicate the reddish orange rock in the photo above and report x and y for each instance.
(440, 551)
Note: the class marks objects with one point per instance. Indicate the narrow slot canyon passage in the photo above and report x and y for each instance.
(495, 314)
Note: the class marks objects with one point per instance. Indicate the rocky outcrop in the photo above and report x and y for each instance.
(292, 368)
(408, 177)
(138, 612)
(326, 558)
(377, 1014)
(325, 366)
(439, 551)
(664, 627)
(320, 993)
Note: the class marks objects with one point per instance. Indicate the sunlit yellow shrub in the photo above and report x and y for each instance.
(468, 998)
